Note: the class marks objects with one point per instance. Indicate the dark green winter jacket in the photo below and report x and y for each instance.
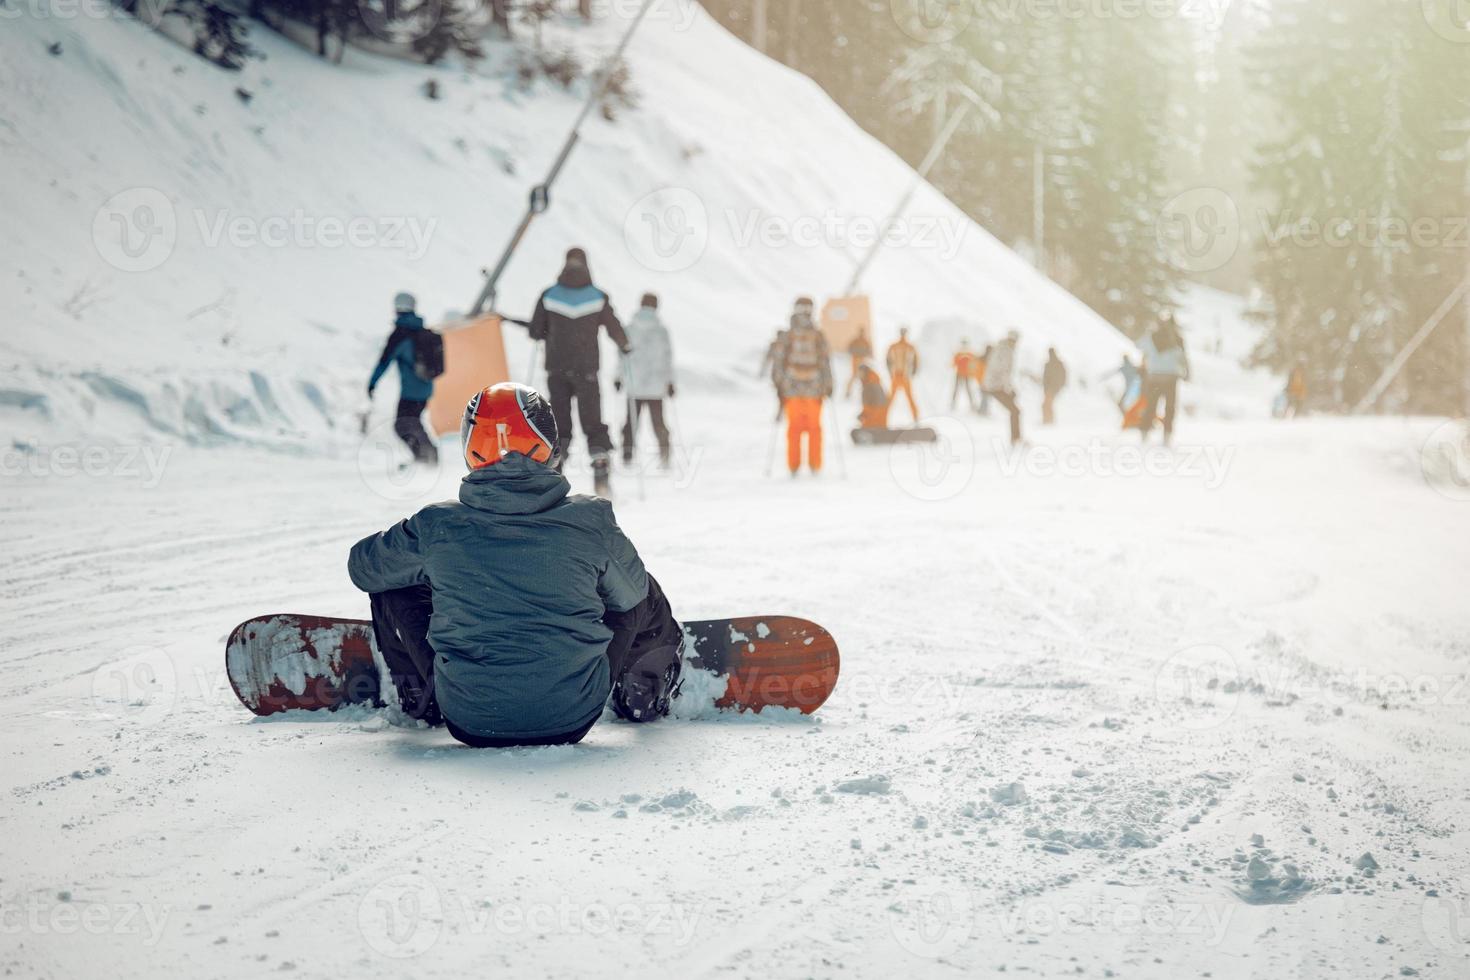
(522, 574)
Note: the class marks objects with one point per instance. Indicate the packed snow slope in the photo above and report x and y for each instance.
(1195, 714)
(212, 255)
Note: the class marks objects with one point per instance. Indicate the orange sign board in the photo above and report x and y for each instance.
(844, 318)
(474, 357)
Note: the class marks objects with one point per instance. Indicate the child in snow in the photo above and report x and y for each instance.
(512, 614)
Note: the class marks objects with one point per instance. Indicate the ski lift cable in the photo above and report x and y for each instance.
(541, 193)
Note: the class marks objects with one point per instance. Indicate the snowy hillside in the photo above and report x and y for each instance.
(183, 269)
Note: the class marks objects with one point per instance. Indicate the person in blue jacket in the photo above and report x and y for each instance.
(515, 614)
(1165, 364)
(414, 391)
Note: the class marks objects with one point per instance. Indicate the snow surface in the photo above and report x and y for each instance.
(1088, 721)
(1199, 712)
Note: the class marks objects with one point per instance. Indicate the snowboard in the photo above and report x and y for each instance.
(888, 437)
(289, 662)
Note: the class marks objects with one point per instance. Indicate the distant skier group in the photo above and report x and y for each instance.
(569, 319)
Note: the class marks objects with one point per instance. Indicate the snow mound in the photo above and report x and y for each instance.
(226, 276)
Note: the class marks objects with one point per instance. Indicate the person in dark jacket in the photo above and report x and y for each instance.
(414, 392)
(1053, 380)
(514, 614)
(569, 318)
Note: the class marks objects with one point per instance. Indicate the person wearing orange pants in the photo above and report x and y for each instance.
(804, 419)
(804, 378)
(903, 364)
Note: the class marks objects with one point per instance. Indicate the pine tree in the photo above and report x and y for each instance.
(1367, 179)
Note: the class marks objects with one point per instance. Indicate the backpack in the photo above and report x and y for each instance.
(428, 354)
(803, 361)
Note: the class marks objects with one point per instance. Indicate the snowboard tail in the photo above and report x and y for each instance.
(290, 662)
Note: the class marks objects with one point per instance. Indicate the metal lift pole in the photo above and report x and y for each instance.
(541, 193)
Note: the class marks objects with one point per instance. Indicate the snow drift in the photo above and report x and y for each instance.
(206, 255)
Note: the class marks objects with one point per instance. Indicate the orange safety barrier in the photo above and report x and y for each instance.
(474, 358)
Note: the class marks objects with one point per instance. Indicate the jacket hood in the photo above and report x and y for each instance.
(647, 316)
(515, 485)
(410, 320)
(575, 275)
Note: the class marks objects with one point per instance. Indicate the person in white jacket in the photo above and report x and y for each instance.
(647, 377)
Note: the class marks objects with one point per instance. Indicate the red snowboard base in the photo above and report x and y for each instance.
(289, 662)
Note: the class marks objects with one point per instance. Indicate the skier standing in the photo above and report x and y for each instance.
(964, 376)
(1000, 371)
(903, 364)
(419, 354)
(1165, 364)
(568, 318)
(803, 375)
(524, 648)
(648, 372)
(1053, 380)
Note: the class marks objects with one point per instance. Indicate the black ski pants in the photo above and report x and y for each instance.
(1159, 388)
(409, 427)
(655, 407)
(1007, 400)
(646, 639)
(584, 389)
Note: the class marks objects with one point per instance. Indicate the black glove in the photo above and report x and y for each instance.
(618, 385)
(671, 389)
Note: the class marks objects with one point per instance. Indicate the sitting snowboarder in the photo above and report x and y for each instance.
(514, 613)
(875, 399)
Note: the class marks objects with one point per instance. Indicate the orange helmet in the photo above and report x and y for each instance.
(507, 418)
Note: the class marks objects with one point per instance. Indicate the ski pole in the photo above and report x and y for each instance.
(837, 439)
(771, 449)
(534, 363)
(631, 427)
